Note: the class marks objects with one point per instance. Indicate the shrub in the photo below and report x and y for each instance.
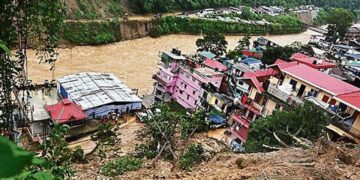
(78, 154)
(121, 165)
(193, 155)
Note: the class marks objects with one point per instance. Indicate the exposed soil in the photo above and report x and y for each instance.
(133, 61)
(326, 160)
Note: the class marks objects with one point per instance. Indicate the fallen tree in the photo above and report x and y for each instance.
(297, 127)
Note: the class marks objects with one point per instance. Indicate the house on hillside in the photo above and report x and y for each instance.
(289, 85)
(319, 64)
(98, 94)
(66, 112)
(347, 122)
(178, 81)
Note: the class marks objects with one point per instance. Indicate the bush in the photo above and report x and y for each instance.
(78, 154)
(121, 165)
(193, 155)
(146, 150)
(92, 33)
(281, 25)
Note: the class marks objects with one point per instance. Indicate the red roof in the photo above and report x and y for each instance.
(215, 65)
(283, 64)
(309, 61)
(65, 111)
(260, 75)
(321, 80)
(351, 98)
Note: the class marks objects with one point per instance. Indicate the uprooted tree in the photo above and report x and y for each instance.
(297, 127)
(162, 129)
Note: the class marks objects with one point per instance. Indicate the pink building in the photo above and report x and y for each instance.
(177, 81)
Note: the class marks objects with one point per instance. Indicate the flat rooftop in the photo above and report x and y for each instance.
(36, 100)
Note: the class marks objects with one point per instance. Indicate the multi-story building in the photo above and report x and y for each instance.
(182, 83)
(289, 85)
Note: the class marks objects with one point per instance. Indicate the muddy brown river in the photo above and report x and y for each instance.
(135, 61)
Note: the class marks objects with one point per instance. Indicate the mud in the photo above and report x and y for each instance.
(133, 61)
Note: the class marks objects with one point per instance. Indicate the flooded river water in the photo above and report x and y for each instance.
(135, 61)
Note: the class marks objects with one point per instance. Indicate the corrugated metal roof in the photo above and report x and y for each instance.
(91, 89)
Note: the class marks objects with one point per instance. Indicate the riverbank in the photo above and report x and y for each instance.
(133, 61)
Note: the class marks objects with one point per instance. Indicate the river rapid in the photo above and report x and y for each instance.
(134, 61)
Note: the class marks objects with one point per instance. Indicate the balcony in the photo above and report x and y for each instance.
(274, 91)
(241, 119)
(242, 134)
(253, 107)
(162, 80)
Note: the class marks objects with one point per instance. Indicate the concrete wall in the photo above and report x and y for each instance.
(135, 29)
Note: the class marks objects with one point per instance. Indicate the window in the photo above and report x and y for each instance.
(293, 83)
(241, 83)
(325, 99)
(194, 92)
(216, 101)
(181, 91)
(195, 102)
(185, 86)
(188, 97)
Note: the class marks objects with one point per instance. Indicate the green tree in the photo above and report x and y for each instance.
(271, 54)
(162, 128)
(56, 152)
(287, 128)
(244, 43)
(21, 22)
(342, 18)
(213, 42)
(194, 123)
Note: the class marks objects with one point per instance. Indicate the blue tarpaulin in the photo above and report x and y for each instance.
(217, 119)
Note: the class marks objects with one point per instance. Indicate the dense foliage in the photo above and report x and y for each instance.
(96, 9)
(305, 121)
(57, 153)
(194, 155)
(121, 165)
(156, 6)
(193, 124)
(271, 54)
(281, 25)
(22, 22)
(92, 33)
(341, 18)
(55, 163)
(213, 42)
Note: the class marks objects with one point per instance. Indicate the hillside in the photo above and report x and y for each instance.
(98, 9)
(95, 9)
(326, 160)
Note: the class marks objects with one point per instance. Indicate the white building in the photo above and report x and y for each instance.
(98, 93)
